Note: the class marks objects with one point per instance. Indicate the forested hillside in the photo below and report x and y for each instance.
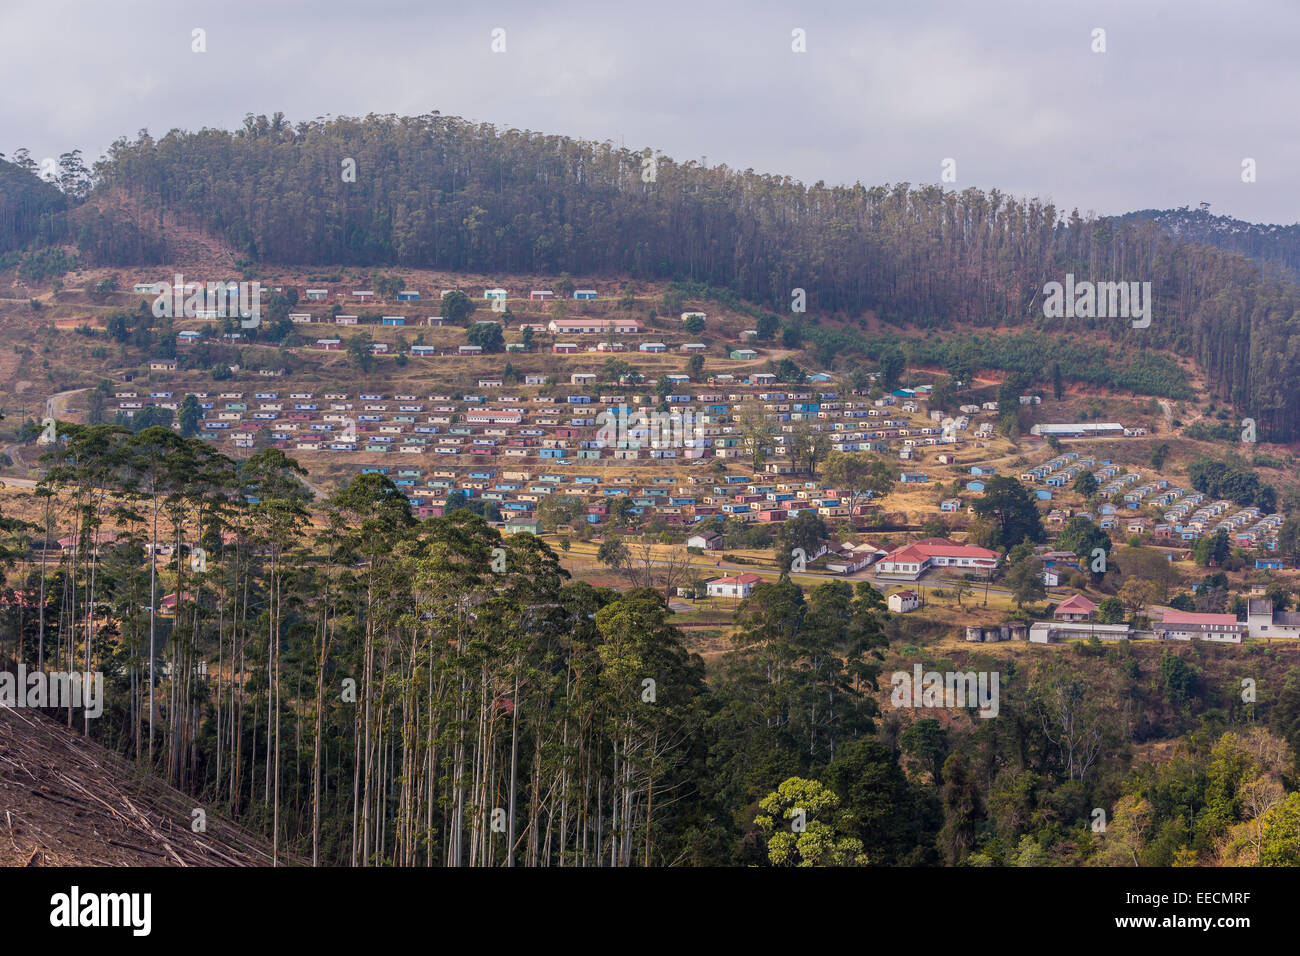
(29, 208)
(435, 191)
(367, 689)
(1266, 243)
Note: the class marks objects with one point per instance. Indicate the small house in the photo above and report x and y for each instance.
(705, 540)
(740, 586)
(1076, 608)
(901, 602)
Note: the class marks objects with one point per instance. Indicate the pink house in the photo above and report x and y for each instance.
(1077, 608)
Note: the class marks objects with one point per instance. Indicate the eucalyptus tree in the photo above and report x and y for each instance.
(453, 566)
(524, 616)
(650, 690)
(278, 517)
(859, 475)
(365, 524)
(87, 461)
(198, 507)
(155, 453)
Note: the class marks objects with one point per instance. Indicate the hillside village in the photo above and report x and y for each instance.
(579, 421)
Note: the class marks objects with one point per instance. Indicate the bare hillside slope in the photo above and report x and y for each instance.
(66, 801)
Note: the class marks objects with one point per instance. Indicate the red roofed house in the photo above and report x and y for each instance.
(1186, 626)
(1077, 608)
(913, 560)
(739, 586)
(167, 606)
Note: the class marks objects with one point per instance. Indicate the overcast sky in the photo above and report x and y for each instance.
(1012, 91)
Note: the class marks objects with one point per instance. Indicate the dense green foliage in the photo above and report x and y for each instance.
(29, 208)
(1232, 480)
(1014, 516)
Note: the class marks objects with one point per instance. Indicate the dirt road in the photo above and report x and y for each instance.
(55, 406)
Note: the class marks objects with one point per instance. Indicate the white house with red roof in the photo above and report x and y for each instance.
(1187, 626)
(913, 560)
(1077, 608)
(739, 586)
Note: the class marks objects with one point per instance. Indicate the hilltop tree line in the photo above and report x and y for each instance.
(30, 208)
(1276, 246)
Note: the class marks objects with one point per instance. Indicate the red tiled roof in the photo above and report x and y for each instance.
(1187, 617)
(748, 577)
(909, 553)
(1077, 603)
(938, 547)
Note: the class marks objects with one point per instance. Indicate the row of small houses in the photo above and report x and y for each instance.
(681, 504)
(543, 426)
(309, 424)
(1188, 516)
(413, 295)
(1073, 620)
(589, 326)
(469, 425)
(593, 325)
(405, 295)
(190, 337)
(561, 430)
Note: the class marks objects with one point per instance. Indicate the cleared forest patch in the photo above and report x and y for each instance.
(66, 801)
